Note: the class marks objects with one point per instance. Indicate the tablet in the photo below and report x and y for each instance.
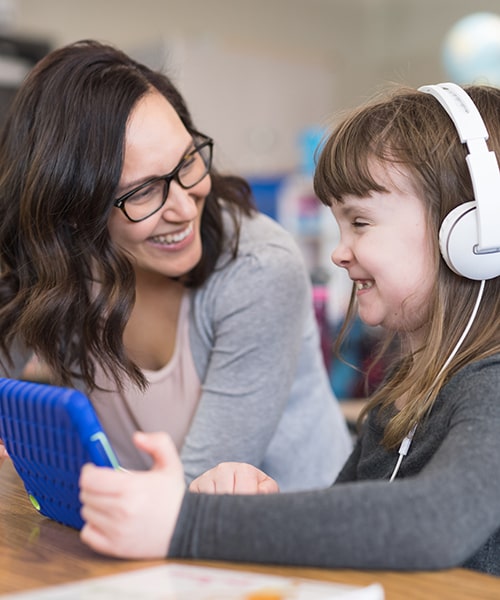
(49, 433)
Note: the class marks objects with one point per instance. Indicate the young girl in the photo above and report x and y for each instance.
(421, 488)
(133, 269)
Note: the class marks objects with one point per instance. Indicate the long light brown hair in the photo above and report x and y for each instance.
(411, 129)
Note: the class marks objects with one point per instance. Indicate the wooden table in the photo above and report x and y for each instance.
(36, 552)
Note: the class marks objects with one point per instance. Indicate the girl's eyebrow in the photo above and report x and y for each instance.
(354, 207)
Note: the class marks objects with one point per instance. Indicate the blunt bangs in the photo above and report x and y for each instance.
(344, 165)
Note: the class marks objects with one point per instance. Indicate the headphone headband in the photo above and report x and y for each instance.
(462, 110)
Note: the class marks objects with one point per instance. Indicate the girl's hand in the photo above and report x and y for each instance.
(234, 478)
(132, 514)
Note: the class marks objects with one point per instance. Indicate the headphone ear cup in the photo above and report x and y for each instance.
(457, 241)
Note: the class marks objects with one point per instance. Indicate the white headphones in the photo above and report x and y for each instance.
(469, 237)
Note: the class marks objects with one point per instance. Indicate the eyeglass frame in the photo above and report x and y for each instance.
(168, 178)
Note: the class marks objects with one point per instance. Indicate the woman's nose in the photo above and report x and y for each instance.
(180, 204)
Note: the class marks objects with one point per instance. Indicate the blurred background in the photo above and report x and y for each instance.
(266, 79)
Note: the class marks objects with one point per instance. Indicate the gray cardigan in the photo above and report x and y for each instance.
(266, 397)
(442, 510)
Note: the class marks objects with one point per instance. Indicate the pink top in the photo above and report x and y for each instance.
(168, 404)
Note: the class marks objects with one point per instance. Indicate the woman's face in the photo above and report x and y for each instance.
(387, 251)
(168, 242)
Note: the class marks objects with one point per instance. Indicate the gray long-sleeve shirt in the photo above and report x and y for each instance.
(442, 510)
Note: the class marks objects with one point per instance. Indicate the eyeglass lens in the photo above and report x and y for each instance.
(151, 197)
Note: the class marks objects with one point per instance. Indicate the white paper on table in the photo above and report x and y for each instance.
(186, 582)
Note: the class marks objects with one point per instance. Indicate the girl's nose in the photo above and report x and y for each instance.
(342, 255)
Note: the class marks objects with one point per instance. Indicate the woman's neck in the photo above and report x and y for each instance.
(150, 333)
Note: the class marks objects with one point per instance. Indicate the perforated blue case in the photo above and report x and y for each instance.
(49, 433)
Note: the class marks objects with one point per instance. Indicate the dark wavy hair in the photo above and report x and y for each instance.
(66, 291)
(410, 129)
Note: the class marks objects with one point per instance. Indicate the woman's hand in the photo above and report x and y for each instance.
(37, 370)
(234, 478)
(3, 452)
(132, 514)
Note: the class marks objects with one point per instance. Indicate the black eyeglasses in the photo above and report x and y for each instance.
(147, 198)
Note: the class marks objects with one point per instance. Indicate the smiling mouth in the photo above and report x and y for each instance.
(173, 238)
(364, 285)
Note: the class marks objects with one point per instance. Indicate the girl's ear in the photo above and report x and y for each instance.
(469, 237)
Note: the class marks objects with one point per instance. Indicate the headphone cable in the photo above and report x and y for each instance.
(406, 443)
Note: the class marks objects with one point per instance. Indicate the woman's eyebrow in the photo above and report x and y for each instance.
(124, 187)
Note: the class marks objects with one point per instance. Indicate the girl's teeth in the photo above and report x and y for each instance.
(363, 285)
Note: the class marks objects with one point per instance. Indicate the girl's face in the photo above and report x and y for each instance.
(167, 243)
(385, 247)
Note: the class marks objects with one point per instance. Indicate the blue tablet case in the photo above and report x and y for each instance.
(49, 433)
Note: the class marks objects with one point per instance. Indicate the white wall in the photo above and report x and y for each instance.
(255, 72)
(254, 103)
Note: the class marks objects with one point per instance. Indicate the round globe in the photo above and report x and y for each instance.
(471, 50)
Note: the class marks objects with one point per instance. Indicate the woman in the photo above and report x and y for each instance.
(133, 269)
